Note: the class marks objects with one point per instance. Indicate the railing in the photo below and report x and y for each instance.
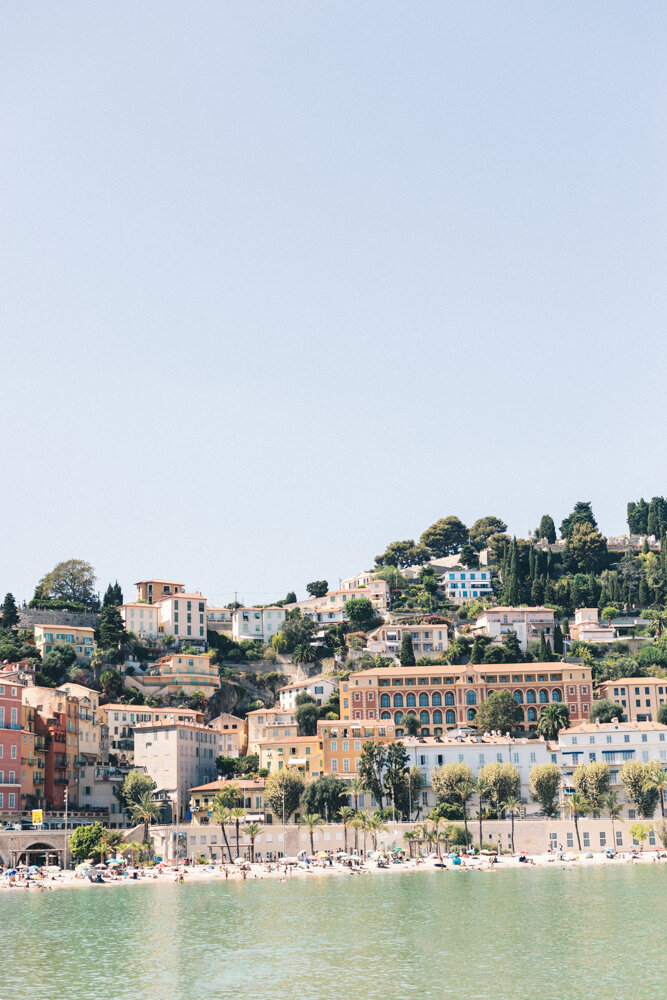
(11, 725)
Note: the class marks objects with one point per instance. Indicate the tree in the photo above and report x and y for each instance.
(407, 654)
(134, 787)
(112, 628)
(396, 776)
(658, 620)
(325, 796)
(498, 711)
(662, 715)
(483, 789)
(221, 813)
(638, 517)
(544, 785)
(84, 843)
(9, 613)
(503, 780)
(73, 580)
(110, 841)
(512, 806)
(392, 577)
(614, 811)
(444, 781)
(547, 529)
(640, 831)
(371, 767)
(592, 782)
(112, 684)
(605, 710)
(511, 648)
(483, 528)
(577, 806)
(54, 666)
(134, 847)
(311, 821)
(283, 788)
(415, 785)
(345, 816)
(588, 548)
(552, 719)
(635, 775)
(146, 810)
(657, 779)
(445, 537)
(360, 611)
(236, 814)
(609, 612)
(297, 630)
(253, 830)
(318, 588)
(582, 514)
(306, 719)
(403, 554)
(113, 596)
(230, 767)
(412, 725)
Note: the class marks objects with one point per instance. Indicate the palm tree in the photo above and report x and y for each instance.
(312, 821)
(221, 814)
(436, 820)
(146, 810)
(237, 814)
(464, 790)
(253, 830)
(658, 620)
(376, 826)
(346, 814)
(410, 836)
(552, 719)
(615, 810)
(97, 662)
(134, 847)
(483, 790)
(109, 842)
(362, 818)
(512, 806)
(426, 833)
(657, 779)
(355, 788)
(577, 806)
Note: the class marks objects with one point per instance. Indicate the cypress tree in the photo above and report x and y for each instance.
(537, 592)
(112, 628)
(543, 651)
(407, 654)
(644, 592)
(513, 589)
(10, 616)
(558, 639)
(531, 562)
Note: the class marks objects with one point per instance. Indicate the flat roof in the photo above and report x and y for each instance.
(73, 628)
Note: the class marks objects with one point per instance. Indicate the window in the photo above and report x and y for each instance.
(570, 839)
(471, 699)
(423, 699)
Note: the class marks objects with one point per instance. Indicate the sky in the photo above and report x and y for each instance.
(281, 283)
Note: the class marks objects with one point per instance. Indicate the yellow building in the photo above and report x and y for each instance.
(298, 753)
(82, 638)
(269, 723)
(90, 720)
(152, 591)
(189, 672)
(250, 797)
(234, 734)
(32, 763)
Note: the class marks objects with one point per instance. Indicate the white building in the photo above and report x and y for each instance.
(462, 584)
(318, 688)
(177, 756)
(528, 623)
(376, 591)
(427, 640)
(184, 617)
(257, 624)
(429, 752)
(141, 618)
(613, 743)
(219, 620)
(269, 724)
(586, 627)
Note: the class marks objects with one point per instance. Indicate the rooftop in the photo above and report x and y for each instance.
(241, 783)
(607, 727)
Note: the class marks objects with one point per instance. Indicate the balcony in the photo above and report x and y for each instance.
(11, 725)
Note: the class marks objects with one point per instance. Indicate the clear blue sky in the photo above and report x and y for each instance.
(283, 282)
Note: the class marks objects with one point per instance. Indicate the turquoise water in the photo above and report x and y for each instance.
(546, 934)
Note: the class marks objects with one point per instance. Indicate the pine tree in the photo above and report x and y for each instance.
(537, 592)
(558, 639)
(543, 650)
(513, 588)
(117, 594)
(10, 616)
(644, 593)
(531, 563)
(112, 628)
(407, 654)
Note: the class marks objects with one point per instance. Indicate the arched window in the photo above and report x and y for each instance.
(436, 699)
(450, 718)
(385, 715)
(423, 698)
(518, 697)
(471, 698)
(423, 718)
(531, 715)
(544, 697)
(385, 701)
(398, 701)
(470, 714)
(449, 698)
(437, 717)
(398, 716)
(530, 697)
(437, 732)
(556, 695)
(410, 701)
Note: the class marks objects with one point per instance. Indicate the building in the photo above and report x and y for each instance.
(250, 798)
(528, 623)
(331, 607)
(257, 624)
(462, 584)
(121, 719)
(141, 618)
(178, 756)
(427, 640)
(296, 753)
(319, 688)
(184, 617)
(99, 785)
(188, 672)
(152, 591)
(269, 723)
(81, 638)
(640, 697)
(90, 720)
(11, 742)
(342, 742)
(219, 620)
(586, 627)
(234, 734)
(613, 743)
(476, 751)
(57, 717)
(446, 697)
(32, 762)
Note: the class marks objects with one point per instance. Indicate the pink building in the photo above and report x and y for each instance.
(10, 748)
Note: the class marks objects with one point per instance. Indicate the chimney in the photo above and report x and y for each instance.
(597, 722)
(615, 721)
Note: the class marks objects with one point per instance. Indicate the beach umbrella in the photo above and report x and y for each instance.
(10, 872)
(100, 866)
